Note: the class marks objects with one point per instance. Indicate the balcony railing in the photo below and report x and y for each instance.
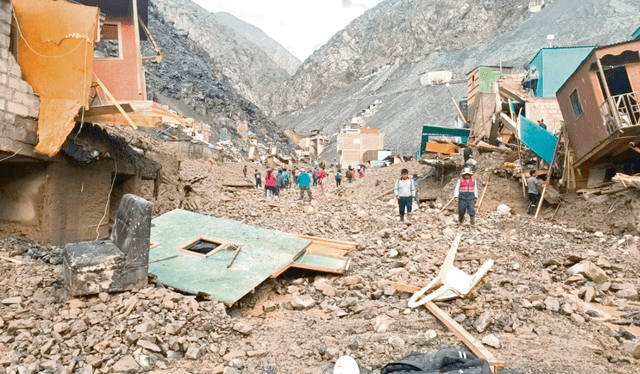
(628, 111)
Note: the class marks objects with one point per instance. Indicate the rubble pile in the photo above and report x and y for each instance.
(558, 299)
(43, 331)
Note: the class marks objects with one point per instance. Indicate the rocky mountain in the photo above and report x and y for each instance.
(189, 81)
(245, 66)
(254, 34)
(373, 66)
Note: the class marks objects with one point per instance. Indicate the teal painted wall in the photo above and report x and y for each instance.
(636, 34)
(555, 66)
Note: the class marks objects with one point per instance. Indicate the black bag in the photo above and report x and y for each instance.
(445, 361)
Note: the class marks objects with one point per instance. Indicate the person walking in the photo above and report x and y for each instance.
(270, 184)
(322, 175)
(304, 182)
(338, 178)
(279, 182)
(468, 153)
(296, 175)
(467, 192)
(415, 186)
(258, 178)
(315, 177)
(404, 191)
(287, 180)
(532, 190)
(350, 174)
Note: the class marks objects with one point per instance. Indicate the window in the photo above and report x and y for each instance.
(203, 246)
(575, 104)
(110, 44)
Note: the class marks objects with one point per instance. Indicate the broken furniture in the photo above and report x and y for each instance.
(120, 263)
(453, 280)
(195, 250)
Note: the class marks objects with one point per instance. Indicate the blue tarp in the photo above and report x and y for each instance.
(540, 141)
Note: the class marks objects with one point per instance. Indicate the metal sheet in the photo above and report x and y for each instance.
(540, 141)
(263, 252)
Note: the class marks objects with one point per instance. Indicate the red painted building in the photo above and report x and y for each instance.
(117, 56)
(599, 103)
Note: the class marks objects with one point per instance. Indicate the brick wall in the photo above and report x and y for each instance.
(19, 106)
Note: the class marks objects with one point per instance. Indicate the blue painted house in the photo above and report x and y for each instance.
(555, 65)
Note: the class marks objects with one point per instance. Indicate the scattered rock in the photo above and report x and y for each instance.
(381, 323)
(302, 302)
(589, 270)
(126, 364)
(243, 327)
(396, 342)
(482, 322)
(492, 341)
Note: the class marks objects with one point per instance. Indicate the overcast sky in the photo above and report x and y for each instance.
(301, 26)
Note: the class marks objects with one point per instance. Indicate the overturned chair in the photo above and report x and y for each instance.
(120, 263)
(455, 282)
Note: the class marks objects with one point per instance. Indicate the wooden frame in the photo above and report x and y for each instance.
(221, 245)
(120, 51)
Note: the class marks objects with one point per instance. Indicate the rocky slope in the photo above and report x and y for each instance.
(381, 55)
(246, 67)
(277, 52)
(188, 80)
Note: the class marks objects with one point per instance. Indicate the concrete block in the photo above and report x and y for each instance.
(25, 87)
(18, 109)
(4, 41)
(4, 66)
(3, 104)
(14, 69)
(34, 112)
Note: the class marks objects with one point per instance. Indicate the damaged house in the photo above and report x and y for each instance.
(599, 103)
(64, 66)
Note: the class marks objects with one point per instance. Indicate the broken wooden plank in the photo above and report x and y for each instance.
(239, 184)
(469, 340)
(114, 101)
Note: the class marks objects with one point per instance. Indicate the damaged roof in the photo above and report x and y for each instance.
(119, 8)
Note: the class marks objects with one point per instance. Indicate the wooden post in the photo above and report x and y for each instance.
(544, 190)
(482, 197)
(458, 110)
(115, 102)
(136, 26)
(612, 106)
(447, 204)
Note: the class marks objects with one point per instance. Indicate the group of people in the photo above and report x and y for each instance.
(276, 180)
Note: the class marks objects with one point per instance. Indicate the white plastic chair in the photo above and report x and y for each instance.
(455, 282)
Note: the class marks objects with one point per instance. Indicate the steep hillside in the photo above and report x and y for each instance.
(246, 67)
(277, 52)
(396, 30)
(336, 83)
(188, 81)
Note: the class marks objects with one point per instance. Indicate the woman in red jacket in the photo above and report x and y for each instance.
(270, 184)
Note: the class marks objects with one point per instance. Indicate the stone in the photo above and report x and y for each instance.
(589, 293)
(578, 319)
(173, 355)
(148, 345)
(75, 303)
(194, 352)
(352, 280)
(566, 309)
(396, 342)
(430, 334)
(233, 354)
(630, 294)
(243, 327)
(542, 330)
(492, 341)
(61, 327)
(230, 370)
(616, 286)
(482, 322)
(552, 304)
(302, 302)
(269, 306)
(145, 327)
(236, 363)
(104, 296)
(126, 364)
(381, 323)
(78, 326)
(12, 300)
(635, 352)
(590, 270)
(325, 288)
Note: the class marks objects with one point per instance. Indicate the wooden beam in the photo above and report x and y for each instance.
(158, 56)
(115, 102)
(136, 26)
(469, 340)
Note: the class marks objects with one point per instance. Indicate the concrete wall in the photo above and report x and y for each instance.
(546, 109)
(19, 106)
(120, 76)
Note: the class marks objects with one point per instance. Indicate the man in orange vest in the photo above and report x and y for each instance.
(467, 192)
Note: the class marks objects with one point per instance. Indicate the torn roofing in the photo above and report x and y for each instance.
(55, 53)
